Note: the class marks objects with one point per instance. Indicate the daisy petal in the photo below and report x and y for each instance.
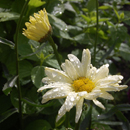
(79, 109)
(57, 75)
(55, 85)
(55, 93)
(70, 70)
(98, 104)
(109, 80)
(76, 63)
(86, 61)
(106, 95)
(101, 73)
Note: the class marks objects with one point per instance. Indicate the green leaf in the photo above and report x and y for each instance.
(38, 125)
(5, 106)
(116, 12)
(104, 7)
(124, 107)
(85, 124)
(104, 19)
(126, 19)
(9, 84)
(55, 7)
(124, 51)
(25, 69)
(53, 63)
(36, 3)
(91, 6)
(110, 122)
(29, 93)
(7, 42)
(112, 111)
(121, 117)
(86, 18)
(6, 16)
(60, 121)
(7, 114)
(100, 126)
(28, 101)
(75, 0)
(24, 48)
(59, 27)
(37, 74)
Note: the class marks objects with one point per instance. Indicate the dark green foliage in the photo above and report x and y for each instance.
(74, 28)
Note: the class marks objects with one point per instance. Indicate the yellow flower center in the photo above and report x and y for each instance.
(83, 84)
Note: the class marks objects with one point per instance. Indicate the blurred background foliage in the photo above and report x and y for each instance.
(74, 28)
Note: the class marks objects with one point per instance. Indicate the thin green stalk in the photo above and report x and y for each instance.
(89, 128)
(77, 125)
(55, 50)
(17, 63)
(67, 119)
(95, 46)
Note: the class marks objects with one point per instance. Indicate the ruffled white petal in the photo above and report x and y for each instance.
(56, 93)
(57, 75)
(98, 104)
(101, 73)
(92, 73)
(109, 80)
(79, 109)
(77, 64)
(86, 59)
(70, 101)
(55, 85)
(114, 87)
(47, 80)
(70, 70)
(106, 95)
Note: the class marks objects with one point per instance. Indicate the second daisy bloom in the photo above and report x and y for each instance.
(38, 27)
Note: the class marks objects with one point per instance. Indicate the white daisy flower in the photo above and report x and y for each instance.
(79, 81)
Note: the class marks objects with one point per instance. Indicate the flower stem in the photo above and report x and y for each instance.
(55, 50)
(67, 119)
(96, 32)
(17, 64)
(77, 125)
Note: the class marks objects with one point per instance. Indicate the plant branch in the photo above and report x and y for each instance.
(51, 42)
(17, 63)
(95, 46)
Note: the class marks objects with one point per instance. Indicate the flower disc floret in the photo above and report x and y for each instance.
(83, 84)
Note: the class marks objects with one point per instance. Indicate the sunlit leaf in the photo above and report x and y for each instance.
(7, 42)
(36, 3)
(53, 63)
(60, 121)
(37, 74)
(104, 7)
(59, 27)
(6, 16)
(9, 84)
(124, 51)
(55, 7)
